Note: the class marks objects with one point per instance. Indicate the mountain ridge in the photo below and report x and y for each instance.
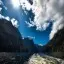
(11, 41)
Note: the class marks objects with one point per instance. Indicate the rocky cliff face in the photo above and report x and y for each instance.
(11, 41)
(10, 38)
(55, 46)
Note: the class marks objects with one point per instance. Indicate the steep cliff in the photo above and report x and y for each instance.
(10, 38)
(55, 46)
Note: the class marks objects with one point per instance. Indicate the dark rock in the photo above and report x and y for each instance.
(29, 45)
(10, 38)
(55, 46)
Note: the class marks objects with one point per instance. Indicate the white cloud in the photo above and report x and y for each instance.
(31, 37)
(25, 4)
(40, 44)
(0, 9)
(59, 24)
(3, 17)
(44, 11)
(30, 24)
(14, 22)
(1, 2)
(7, 18)
(15, 3)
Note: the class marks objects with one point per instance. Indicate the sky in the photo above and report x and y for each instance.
(36, 19)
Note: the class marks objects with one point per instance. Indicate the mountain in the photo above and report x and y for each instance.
(11, 40)
(55, 46)
(13, 47)
(10, 37)
(39, 48)
(29, 45)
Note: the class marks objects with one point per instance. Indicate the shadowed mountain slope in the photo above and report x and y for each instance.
(10, 38)
(55, 46)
